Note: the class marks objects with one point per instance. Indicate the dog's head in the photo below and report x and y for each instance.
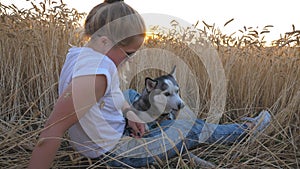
(163, 92)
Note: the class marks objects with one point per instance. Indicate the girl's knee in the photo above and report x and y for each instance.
(130, 95)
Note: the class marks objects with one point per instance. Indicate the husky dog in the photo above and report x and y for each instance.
(159, 99)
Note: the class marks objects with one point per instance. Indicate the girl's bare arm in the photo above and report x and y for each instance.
(77, 99)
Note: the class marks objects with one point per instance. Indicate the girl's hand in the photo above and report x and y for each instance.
(136, 124)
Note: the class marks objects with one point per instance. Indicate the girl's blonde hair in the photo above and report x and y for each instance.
(116, 20)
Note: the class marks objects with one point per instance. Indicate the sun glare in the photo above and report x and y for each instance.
(149, 35)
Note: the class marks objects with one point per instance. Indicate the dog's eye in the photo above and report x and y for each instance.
(177, 91)
(167, 94)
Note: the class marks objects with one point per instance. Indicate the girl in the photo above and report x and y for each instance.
(90, 102)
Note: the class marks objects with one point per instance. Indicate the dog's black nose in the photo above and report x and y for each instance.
(180, 105)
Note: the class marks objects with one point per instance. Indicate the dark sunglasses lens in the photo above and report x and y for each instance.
(130, 54)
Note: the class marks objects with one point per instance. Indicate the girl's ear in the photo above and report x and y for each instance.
(107, 43)
(150, 84)
(101, 44)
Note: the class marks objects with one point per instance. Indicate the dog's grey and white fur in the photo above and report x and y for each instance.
(160, 98)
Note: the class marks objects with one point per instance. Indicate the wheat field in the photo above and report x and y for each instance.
(33, 46)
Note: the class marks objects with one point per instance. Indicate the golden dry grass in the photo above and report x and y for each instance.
(33, 46)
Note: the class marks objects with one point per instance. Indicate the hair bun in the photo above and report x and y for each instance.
(112, 1)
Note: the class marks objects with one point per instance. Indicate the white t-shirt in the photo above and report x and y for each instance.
(100, 129)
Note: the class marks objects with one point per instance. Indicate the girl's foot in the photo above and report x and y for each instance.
(258, 123)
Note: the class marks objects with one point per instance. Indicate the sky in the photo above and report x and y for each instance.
(255, 13)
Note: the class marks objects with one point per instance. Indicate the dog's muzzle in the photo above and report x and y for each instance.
(180, 105)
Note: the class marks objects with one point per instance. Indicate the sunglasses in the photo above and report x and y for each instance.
(128, 54)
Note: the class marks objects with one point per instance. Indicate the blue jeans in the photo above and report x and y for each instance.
(172, 138)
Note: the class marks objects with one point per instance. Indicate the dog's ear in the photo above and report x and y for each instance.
(173, 72)
(150, 84)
